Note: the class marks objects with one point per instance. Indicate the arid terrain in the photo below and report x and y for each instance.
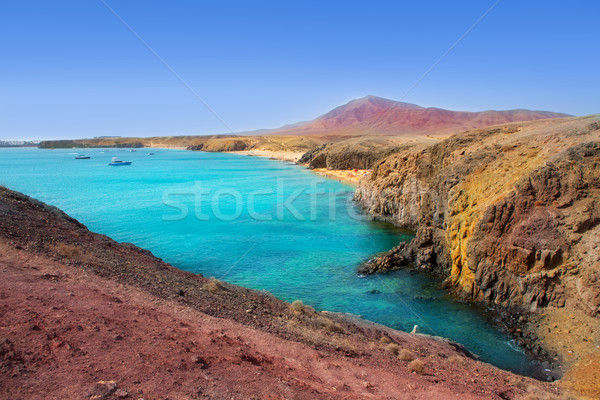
(505, 209)
(86, 317)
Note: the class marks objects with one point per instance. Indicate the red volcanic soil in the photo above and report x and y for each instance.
(84, 317)
(375, 115)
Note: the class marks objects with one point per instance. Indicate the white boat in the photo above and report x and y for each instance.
(115, 162)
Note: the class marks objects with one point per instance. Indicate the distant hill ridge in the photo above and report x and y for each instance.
(376, 115)
(370, 115)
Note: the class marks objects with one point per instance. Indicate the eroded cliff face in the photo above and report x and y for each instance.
(360, 152)
(509, 215)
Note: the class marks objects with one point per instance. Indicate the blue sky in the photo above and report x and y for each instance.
(71, 69)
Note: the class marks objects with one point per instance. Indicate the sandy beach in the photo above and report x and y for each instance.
(351, 176)
(291, 156)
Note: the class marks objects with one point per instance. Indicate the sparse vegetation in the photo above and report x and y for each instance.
(385, 339)
(309, 316)
(329, 325)
(406, 355)
(336, 328)
(68, 250)
(72, 252)
(417, 367)
(393, 348)
(213, 285)
(535, 393)
(456, 360)
(298, 307)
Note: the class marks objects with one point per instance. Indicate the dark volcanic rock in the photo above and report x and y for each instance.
(526, 245)
(196, 147)
(344, 155)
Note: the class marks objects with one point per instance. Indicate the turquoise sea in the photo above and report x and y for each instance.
(254, 222)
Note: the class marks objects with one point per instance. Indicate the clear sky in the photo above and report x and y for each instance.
(71, 68)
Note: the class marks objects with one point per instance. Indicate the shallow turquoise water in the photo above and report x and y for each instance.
(254, 222)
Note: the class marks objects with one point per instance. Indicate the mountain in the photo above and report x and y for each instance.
(376, 115)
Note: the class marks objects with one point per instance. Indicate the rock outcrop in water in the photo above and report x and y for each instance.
(510, 215)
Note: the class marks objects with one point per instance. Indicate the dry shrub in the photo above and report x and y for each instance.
(298, 307)
(385, 339)
(535, 393)
(311, 318)
(329, 325)
(456, 360)
(417, 367)
(68, 250)
(393, 348)
(73, 252)
(336, 328)
(213, 285)
(406, 355)
(516, 381)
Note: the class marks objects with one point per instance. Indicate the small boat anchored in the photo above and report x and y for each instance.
(82, 157)
(115, 162)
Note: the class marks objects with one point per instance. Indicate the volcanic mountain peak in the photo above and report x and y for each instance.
(378, 103)
(376, 115)
(367, 106)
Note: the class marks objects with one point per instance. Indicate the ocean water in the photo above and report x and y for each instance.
(254, 222)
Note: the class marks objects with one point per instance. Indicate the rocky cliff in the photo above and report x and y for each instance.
(508, 214)
(361, 152)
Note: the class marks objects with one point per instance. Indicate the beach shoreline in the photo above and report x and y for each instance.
(290, 156)
(350, 176)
